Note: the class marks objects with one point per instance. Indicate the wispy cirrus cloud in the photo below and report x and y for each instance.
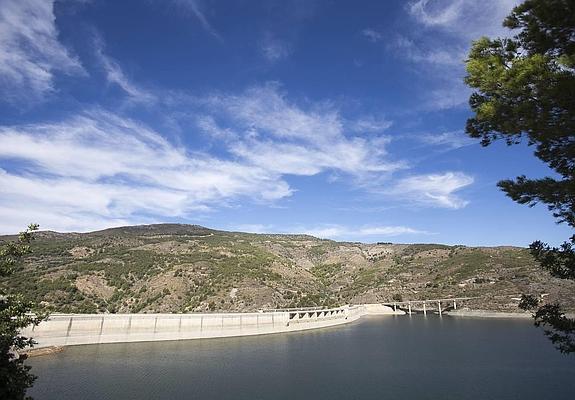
(434, 13)
(370, 124)
(335, 231)
(274, 49)
(30, 51)
(417, 53)
(102, 167)
(450, 94)
(263, 128)
(115, 75)
(196, 8)
(469, 19)
(458, 23)
(447, 140)
(372, 34)
(266, 130)
(280, 136)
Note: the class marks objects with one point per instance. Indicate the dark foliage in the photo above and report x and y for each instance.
(559, 261)
(557, 327)
(15, 314)
(525, 91)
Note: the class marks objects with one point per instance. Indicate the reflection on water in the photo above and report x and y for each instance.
(377, 358)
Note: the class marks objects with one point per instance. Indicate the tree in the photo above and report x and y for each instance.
(15, 314)
(525, 92)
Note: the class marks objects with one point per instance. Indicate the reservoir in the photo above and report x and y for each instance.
(389, 357)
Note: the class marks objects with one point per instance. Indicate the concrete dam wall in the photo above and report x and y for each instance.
(75, 329)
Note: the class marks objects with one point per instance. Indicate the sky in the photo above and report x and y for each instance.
(344, 120)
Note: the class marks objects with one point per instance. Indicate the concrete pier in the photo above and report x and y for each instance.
(412, 306)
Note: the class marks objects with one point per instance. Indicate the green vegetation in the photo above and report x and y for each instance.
(168, 268)
(524, 92)
(414, 249)
(15, 314)
(321, 248)
(326, 272)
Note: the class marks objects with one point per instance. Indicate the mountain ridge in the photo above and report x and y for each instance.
(184, 268)
(151, 227)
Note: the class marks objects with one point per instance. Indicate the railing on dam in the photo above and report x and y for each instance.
(292, 309)
(70, 329)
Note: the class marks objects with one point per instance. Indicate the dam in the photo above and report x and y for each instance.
(77, 329)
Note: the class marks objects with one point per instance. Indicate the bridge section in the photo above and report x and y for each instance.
(425, 306)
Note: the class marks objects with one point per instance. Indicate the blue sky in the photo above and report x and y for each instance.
(344, 120)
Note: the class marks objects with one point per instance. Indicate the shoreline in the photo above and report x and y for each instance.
(488, 314)
(42, 351)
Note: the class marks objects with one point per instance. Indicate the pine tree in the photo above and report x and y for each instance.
(525, 92)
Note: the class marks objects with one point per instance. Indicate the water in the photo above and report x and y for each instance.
(377, 358)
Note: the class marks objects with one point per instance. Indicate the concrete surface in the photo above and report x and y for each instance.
(75, 329)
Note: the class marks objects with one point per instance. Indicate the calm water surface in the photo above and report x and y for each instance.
(377, 358)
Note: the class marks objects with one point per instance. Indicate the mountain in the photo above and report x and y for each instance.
(182, 268)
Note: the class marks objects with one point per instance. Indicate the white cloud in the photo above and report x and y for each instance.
(16, 217)
(370, 124)
(437, 190)
(30, 52)
(390, 231)
(351, 156)
(336, 231)
(470, 19)
(252, 228)
(458, 22)
(431, 13)
(274, 49)
(100, 167)
(208, 124)
(279, 136)
(448, 140)
(196, 8)
(271, 133)
(325, 232)
(115, 75)
(444, 63)
(265, 109)
(372, 35)
(453, 94)
(449, 55)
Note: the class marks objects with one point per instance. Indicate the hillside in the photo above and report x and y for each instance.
(181, 268)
